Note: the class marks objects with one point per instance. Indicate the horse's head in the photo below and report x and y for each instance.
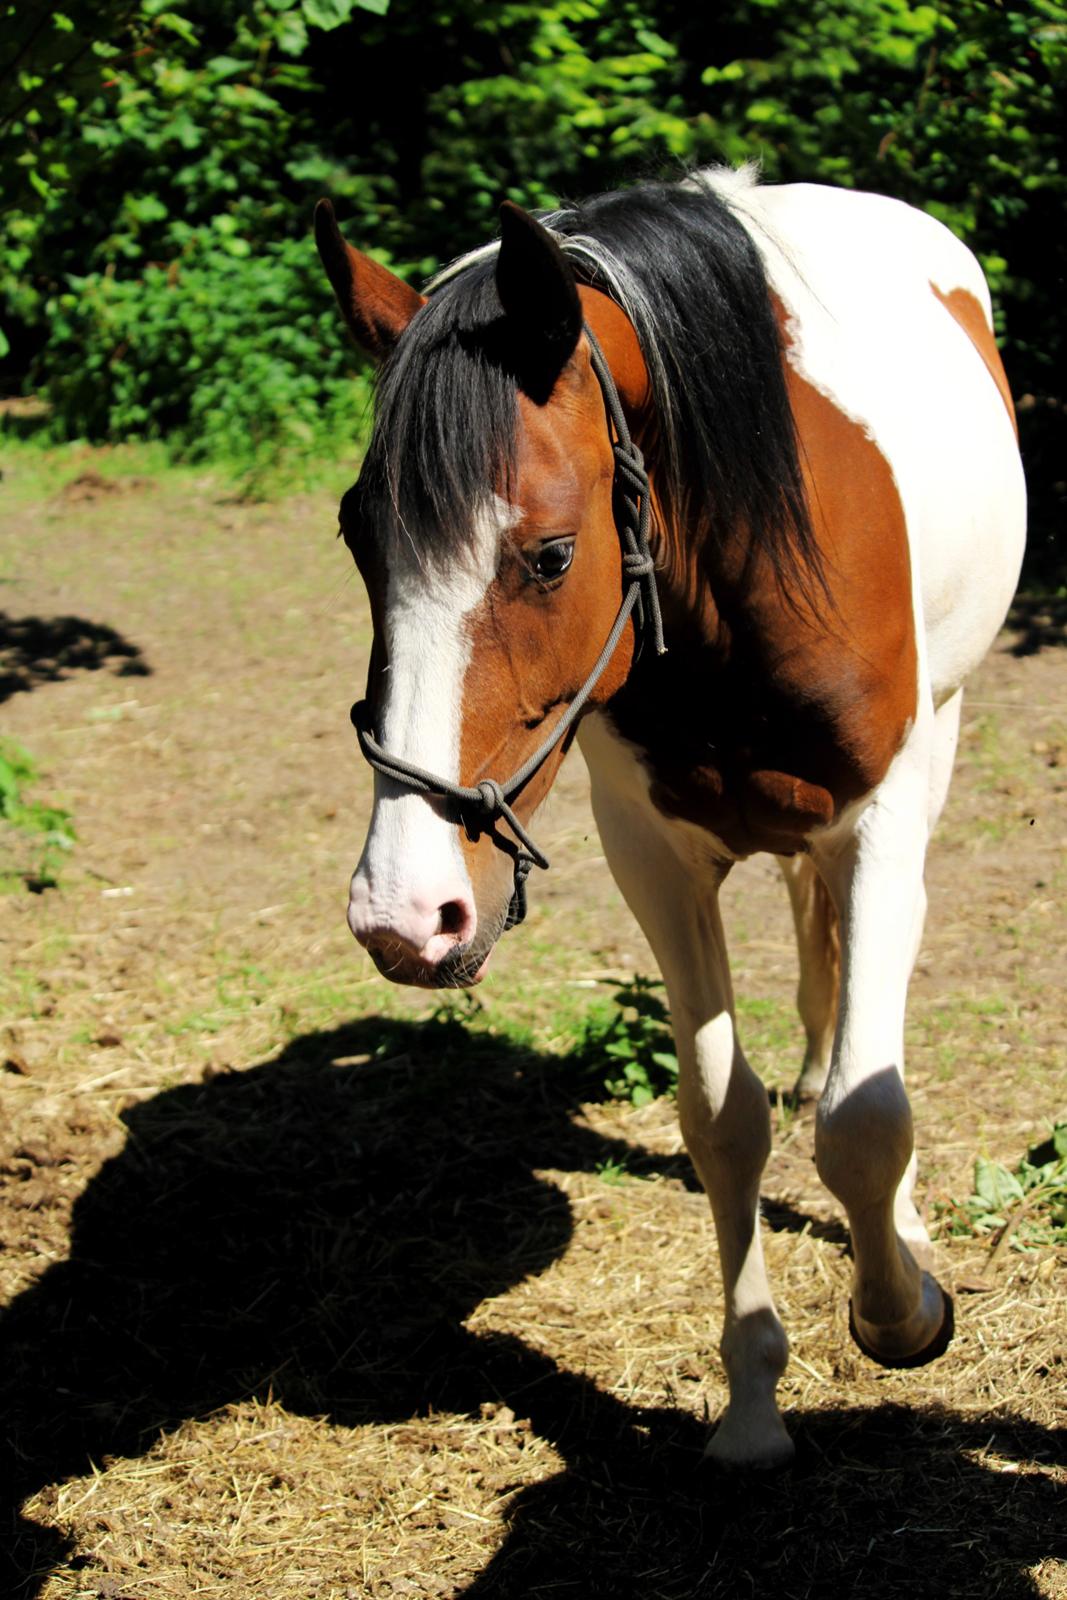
(484, 528)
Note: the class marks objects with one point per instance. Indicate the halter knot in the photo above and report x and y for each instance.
(630, 465)
(492, 798)
(628, 454)
(638, 564)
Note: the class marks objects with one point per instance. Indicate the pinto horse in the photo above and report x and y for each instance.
(728, 476)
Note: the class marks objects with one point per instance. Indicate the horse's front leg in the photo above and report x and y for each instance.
(873, 866)
(723, 1107)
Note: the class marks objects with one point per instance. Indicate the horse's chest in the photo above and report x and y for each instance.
(748, 798)
(761, 808)
(756, 761)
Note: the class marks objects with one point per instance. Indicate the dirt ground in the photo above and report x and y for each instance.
(316, 1287)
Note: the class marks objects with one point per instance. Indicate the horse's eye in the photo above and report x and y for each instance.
(552, 560)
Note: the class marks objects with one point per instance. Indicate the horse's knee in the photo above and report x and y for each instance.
(723, 1112)
(863, 1140)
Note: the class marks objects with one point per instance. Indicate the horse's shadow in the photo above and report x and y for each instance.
(319, 1226)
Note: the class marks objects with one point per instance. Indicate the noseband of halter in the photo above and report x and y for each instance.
(477, 809)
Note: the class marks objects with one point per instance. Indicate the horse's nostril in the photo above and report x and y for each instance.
(453, 918)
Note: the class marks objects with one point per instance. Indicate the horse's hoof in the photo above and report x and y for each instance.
(915, 1358)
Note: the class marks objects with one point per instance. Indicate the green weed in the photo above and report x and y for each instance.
(1024, 1207)
(630, 1052)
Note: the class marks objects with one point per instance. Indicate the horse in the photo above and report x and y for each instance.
(722, 480)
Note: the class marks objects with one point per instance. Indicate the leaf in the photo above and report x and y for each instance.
(145, 208)
(225, 66)
(181, 26)
(326, 14)
(291, 35)
(994, 1184)
(655, 43)
(764, 111)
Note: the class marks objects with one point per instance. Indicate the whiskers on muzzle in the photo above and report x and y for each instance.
(461, 968)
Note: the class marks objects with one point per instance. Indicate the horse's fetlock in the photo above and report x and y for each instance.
(754, 1350)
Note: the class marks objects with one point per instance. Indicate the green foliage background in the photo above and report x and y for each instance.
(159, 166)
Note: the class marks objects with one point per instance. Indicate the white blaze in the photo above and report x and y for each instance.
(412, 855)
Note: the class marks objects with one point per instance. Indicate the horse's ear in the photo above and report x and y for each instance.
(375, 303)
(540, 298)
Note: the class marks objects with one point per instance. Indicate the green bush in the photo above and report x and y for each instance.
(183, 132)
(239, 357)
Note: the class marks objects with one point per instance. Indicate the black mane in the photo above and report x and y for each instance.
(724, 455)
(444, 421)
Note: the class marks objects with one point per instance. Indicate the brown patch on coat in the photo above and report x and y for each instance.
(965, 309)
(771, 713)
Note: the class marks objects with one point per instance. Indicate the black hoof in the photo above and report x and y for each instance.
(930, 1352)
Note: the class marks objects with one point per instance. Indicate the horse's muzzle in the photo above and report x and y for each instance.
(460, 968)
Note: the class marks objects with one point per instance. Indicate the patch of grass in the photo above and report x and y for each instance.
(36, 837)
(35, 470)
(39, 470)
(622, 1044)
(768, 1028)
(612, 1172)
(239, 991)
(984, 748)
(1025, 1207)
(987, 1006)
(24, 994)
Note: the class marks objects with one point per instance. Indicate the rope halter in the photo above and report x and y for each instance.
(479, 808)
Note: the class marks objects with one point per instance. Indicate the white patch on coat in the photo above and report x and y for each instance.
(893, 359)
(410, 846)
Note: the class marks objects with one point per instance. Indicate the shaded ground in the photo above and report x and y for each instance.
(310, 1295)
